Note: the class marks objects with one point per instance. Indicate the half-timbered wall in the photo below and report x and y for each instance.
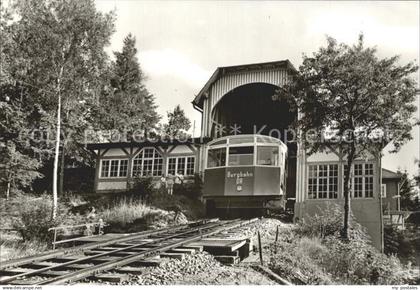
(114, 166)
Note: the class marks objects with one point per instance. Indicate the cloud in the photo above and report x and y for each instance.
(345, 25)
(169, 62)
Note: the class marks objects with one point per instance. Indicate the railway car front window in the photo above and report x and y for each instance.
(268, 155)
(241, 156)
(216, 157)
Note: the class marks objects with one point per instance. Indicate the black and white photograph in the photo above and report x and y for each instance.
(253, 143)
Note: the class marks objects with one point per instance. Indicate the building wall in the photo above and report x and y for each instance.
(367, 210)
(107, 184)
(388, 202)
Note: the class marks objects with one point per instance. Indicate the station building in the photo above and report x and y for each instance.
(244, 156)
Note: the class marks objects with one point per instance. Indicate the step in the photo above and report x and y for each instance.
(196, 248)
(178, 256)
(116, 254)
(75, 267)
(40, 265)
(66, 258)
(229, 260)
(108, 249)
(182, 251)
(130, 270)
(14, 271)
(100, 260)
(53, 273)
(228, 244)
(147, 263)
(115, 278)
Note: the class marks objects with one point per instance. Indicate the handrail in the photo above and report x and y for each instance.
(74, 226)
(99, 223)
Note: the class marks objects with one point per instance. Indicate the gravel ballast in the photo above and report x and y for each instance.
(204, 269)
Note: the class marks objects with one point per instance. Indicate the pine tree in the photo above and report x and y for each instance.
(178, 124)
(127, 105)
(408, 192)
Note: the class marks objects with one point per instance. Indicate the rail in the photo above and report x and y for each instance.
(119, 252)
(65, 251)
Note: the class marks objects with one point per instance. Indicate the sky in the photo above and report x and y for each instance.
(181, 43)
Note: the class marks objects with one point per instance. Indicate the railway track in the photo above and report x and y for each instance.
(74, 264)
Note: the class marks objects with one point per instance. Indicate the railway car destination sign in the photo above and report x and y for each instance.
(239, 176)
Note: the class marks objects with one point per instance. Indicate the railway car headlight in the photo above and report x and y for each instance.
(239, 187)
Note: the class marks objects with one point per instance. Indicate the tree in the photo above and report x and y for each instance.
(350, 99)
(127, 104)
(407, 192)
(58, 47)
(417, 176)
(20, 159)
(178, 124)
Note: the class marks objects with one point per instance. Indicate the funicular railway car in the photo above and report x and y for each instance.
(244, 173)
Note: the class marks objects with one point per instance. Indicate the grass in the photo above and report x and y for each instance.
(133, 215)
(123, 212)
(127, 211)
(192, 208)
(313, 253)
(12, 247)
(314, 261)
(75, 200)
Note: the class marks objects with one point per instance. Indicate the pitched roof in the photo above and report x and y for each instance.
(220, 71)
(388, 174)
(157, 142)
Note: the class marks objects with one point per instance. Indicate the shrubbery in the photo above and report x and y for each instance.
(403, 243)
(329, 223)
(185, 198)
(141, 188)
(294, 260)
(192, 208)
(358, 262)
(191, 190)
(144, 188)
(33, 217)
(134, 215)
(125, 212)
(314, 254)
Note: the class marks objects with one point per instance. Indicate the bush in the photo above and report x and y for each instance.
(294, 261)
(361, 263)
(315, 254)
(33, 217)
(191, 190)
(142, 188)
(126, 211)
(330, 223)
(134, 215)
(403, 243)
(17, 249)
(192, 208)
